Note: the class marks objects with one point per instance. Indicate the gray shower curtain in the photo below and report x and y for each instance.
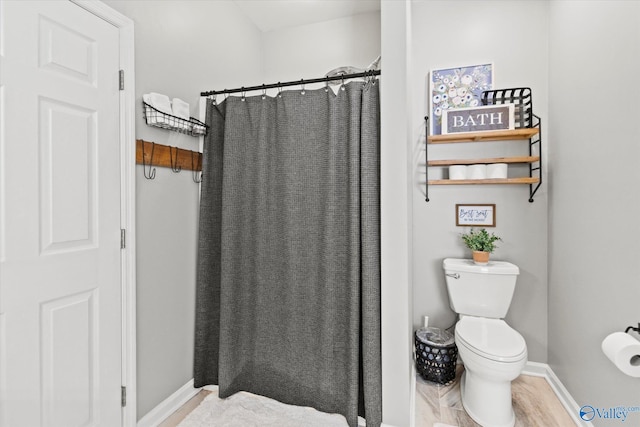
(288, 279)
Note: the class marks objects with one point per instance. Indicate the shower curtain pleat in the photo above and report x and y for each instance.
(288, 278)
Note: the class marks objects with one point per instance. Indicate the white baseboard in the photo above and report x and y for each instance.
(363, 423)
(536, 369)
(412, 404)
(168, 406)
(569, 403)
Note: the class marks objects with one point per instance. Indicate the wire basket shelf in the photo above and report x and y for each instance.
(162, 120)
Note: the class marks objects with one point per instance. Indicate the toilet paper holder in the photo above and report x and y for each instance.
(631, 328)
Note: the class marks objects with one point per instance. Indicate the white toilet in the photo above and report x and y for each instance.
(492, 352)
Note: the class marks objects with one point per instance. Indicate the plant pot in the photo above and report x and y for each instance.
(480, 257)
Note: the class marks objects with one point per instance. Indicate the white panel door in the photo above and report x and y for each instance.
(60, 286)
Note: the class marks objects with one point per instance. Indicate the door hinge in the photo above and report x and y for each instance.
(123, 238)
(121, 79)
(123, 396)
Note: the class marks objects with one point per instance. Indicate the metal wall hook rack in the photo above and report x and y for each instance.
(151, 154)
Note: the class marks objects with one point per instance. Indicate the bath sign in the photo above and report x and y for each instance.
(478, 119)
(476, 215)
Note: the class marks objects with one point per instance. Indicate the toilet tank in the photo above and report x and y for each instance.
(480, 290)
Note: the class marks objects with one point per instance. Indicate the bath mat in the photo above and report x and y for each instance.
(245, 409)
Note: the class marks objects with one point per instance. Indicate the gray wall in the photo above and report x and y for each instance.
(512, 35)
(182, 48)
(594, 152)
(312, 50)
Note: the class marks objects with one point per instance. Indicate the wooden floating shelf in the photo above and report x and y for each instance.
(186, 159)
(488, 136)
(521, 159)
(523, 180)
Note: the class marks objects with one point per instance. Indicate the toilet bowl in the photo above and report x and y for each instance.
(492, 352)
(493, 355)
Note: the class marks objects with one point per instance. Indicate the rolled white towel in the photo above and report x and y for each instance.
(152, 116)
(159, 102)
(180, 108)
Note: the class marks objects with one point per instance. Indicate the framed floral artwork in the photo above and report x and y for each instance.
(458, 87)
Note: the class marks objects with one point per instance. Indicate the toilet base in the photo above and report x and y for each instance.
(488, 403)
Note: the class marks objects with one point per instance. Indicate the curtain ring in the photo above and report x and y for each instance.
(372, 78)
(264, 92)
(342, 85)
(215, 99)
(302, 83)
(279, 90)
(243, 94)
(326, 85)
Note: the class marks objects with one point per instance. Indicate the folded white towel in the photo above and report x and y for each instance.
(158, 101)
(153, 117)
(180, 108)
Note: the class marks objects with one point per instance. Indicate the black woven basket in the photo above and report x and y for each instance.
(520, 97)
(436, 362)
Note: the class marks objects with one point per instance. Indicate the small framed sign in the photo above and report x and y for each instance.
(476, 215)
(478, 119)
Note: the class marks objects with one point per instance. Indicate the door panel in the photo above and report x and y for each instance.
(67, 176)
(66, 51)
(60, 288)
(68, 339)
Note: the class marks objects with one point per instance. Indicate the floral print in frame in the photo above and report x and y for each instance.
(458, 87)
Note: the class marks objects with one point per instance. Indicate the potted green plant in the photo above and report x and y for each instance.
(481, 244)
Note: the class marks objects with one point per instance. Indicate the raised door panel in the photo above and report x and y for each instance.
(69, 366)
(64, 50)
(67, 176)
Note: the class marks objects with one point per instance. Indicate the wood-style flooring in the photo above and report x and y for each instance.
(534, 403)
(177, 417)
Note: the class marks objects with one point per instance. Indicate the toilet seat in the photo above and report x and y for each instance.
(491, 338)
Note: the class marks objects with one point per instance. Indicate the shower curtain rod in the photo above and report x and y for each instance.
(369, 73)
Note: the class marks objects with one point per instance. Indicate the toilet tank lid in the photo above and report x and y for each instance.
(468, 266)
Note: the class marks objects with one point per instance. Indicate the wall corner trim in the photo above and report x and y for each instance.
(169, 405)
(544, 370)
